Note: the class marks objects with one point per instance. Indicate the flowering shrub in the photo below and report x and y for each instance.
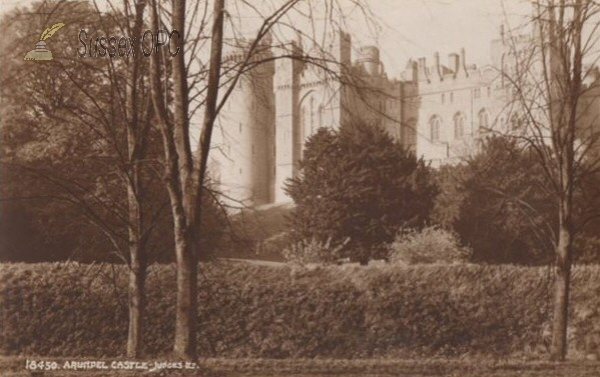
(314, 251)
(429, 245)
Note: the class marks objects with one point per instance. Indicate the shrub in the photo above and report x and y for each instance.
(251, 311)
(499, 204)
(314, 251)
(359, 183)
(429, 245)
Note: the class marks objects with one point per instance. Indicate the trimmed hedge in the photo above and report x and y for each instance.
(281, 312)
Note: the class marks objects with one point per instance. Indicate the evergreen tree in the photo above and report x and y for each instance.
(359, 184)
(499, 203)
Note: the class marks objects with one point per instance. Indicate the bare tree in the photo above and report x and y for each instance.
(112, 121)
(551, 107)
(212, 83)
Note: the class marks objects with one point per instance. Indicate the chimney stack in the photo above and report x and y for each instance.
(463, 61)
(436, 62)
(453, 62)
(424, 75)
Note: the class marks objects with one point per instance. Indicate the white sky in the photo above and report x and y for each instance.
(418, 28)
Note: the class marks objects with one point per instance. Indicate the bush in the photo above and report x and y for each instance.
(314, 251)
(359, 183)
(430, 245)
(499, 204)
(250, 311)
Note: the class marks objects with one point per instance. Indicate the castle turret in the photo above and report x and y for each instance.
(368, 58)
(286, 86)
(439, 75)
(423, 72)
(247, 126)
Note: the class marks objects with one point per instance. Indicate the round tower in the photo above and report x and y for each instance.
(246, 123)
(368, 57)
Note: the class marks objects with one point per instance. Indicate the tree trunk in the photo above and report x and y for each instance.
(137, 254)
(187, 283)
(564, 253)
(561, 295)
(184, 221)
(137, 301)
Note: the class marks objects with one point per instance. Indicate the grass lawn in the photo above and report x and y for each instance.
(15, 367)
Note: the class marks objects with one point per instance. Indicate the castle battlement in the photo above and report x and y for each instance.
(438, 110)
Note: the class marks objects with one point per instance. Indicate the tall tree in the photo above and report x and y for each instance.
(97, 105)
(499, 203)
(361, 185)
(186, 167)
(546, 80)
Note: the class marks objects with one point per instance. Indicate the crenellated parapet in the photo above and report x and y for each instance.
(257, 59)
(456, 69)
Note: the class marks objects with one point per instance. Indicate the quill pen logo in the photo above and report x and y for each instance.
(41, 52)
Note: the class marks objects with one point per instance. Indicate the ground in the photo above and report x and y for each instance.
(15, 367)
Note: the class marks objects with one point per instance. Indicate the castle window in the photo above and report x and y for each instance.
(240, 128)
(489, 91)
(477, 93)
(459, 126)
(410, 133)
(443, 98)
(435, 123)
(303, 126)
(240, 171)
(312, 115)
(320, 116)
(451, 97)
(515, 122)
(484, 121)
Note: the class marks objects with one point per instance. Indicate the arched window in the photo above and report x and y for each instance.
(435, 124)
(312, 116)
(459, 126)
(483, 120)
(321, 111)
(410, 134)
(515, 122)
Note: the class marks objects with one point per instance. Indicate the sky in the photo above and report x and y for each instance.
(418, 28)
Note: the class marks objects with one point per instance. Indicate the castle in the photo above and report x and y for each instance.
(439, 111)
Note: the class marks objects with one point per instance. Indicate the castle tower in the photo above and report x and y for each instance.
(286, 88)
(296, 85)
(368, 58)
(246, 127)
(340, 94)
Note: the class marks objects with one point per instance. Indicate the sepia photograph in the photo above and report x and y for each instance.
(300, 188)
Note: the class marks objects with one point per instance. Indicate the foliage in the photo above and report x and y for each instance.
(313, 251)
(60, 170)
(430, 245)
(359, 183)
(64, 159)
(499, 203)
(250, 311)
